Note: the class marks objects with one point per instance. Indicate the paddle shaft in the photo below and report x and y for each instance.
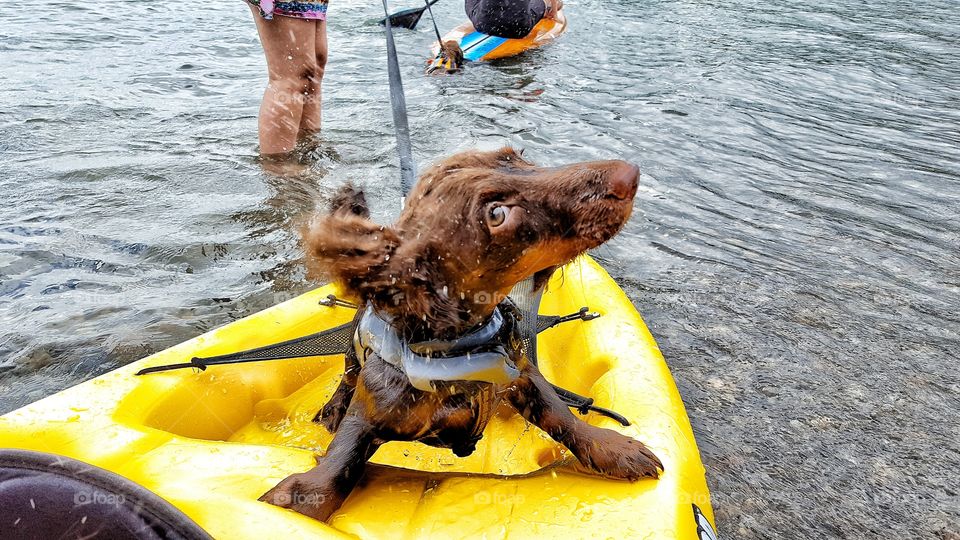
(434, 21)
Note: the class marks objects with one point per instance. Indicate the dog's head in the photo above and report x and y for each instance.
(476, 224)
(449, 59)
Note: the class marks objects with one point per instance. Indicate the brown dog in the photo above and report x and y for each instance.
(449, 59)
(476, 224)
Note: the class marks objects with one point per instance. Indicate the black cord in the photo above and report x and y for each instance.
(434, 21)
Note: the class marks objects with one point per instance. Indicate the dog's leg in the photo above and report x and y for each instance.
(319, 492)
(332, 413)
(603, 451)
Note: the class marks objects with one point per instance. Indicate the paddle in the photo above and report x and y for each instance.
(408, 18)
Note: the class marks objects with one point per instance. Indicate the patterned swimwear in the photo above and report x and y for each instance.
(316, 10)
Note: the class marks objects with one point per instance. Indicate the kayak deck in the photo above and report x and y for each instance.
(212, 442)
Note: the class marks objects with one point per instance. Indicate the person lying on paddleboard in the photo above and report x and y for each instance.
(512, 19)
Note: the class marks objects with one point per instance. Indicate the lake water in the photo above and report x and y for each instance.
(794, 247)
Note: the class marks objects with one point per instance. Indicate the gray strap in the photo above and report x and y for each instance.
(408, 171)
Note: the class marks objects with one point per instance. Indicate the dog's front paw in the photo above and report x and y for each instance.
(308, 493)
(613, 455)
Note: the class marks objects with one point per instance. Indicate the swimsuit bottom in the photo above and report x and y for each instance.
(316, 10)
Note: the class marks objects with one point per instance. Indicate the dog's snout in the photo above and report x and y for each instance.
(623, 180)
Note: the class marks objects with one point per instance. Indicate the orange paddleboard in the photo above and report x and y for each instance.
(479, 47)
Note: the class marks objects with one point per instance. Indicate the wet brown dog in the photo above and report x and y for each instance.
(449, 59)
(476, 224)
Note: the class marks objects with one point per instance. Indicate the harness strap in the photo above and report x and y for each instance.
(584, 404)
(325, 343)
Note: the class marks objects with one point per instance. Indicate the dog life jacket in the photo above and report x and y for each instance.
(485, 354)
(519, 323)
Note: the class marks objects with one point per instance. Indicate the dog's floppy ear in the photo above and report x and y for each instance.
(346, 246)
(372, 262)
(349, 201)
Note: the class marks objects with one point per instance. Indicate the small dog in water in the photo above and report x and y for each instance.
(449, 59)
(476, 224)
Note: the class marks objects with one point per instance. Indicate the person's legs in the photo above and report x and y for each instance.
(310, 121)
(289, 47)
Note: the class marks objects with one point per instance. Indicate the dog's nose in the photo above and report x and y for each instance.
(623, 180)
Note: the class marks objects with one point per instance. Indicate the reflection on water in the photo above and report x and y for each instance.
(794, 245)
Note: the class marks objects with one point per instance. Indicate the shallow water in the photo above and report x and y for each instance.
(794, 246)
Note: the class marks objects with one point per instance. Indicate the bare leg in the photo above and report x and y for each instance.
(289, 46)
(602, 451)
(310, 121)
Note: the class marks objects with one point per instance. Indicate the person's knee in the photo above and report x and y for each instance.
(321, 64)
(296, 81)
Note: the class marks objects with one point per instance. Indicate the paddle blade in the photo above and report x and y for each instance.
(407, 18)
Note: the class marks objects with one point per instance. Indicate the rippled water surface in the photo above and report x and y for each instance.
(794, 246)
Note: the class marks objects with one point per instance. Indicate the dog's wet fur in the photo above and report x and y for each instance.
(476, 224)
(449, 59)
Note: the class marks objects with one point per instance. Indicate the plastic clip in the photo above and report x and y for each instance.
(331, 301)
(583, 315)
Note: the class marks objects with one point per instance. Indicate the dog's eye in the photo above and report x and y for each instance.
(497, 215)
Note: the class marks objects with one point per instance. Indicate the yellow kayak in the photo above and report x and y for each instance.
(210, 443)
